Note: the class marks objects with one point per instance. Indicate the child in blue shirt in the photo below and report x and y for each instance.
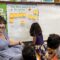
(36, 33)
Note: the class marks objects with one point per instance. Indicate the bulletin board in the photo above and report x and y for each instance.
(20, 17)
(3, 10)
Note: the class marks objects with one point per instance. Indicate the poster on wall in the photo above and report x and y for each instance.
(47, 0)
(3, 10)
(22, 0)
(20, 18)
(11, 0)
(34, 0)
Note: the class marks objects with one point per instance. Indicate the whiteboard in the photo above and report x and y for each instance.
(49, 19)
(48, 16)
(19, 19)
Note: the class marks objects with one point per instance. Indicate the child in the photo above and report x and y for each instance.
(29, 53)
(36, 33)
(52, 44)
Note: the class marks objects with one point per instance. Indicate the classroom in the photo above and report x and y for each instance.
(30, 29)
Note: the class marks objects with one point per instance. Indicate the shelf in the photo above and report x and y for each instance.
(7, 2)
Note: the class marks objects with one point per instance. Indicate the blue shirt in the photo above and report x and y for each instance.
(39, 40)
(4, 43)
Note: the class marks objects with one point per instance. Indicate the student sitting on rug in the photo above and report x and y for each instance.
(28, 53)
(52, 44)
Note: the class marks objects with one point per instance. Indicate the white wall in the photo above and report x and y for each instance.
(49, 19)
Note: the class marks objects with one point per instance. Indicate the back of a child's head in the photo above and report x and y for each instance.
(53, 41)
(28, 53)
(35, 29)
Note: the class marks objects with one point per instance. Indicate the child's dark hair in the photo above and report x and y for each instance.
(35, 29)
(53, 41)
(28, 53)
(2, 20)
